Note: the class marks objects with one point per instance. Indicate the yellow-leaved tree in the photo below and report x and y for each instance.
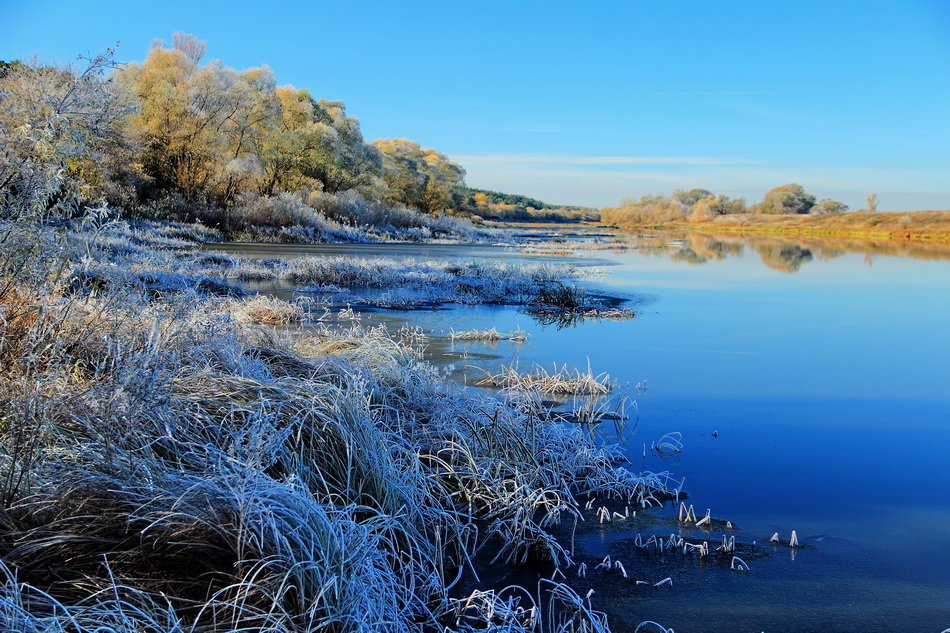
(201, 127)
(421, 178)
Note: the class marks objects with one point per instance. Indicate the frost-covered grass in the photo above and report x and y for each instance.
(490, 335)
(167, 466)
(395, 222)
(146, 254)
(561, 380)
(288, 218)
(266, 310)
(398, 283)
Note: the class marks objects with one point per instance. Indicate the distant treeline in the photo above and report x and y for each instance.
(496, 197)
(176, 138)
(697, 205)
(512, 207)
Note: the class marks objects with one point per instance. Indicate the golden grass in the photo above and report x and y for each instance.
(267, 310)
(560, 381)
(910, 226)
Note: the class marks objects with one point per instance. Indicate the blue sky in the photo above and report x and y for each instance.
(585, 102)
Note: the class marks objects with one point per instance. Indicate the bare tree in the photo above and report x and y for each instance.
(191, 46)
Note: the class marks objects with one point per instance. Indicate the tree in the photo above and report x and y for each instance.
(180, 112)
(872, 203)
(315, 145)
(827, 205)
(686, 199)
(254, 119)
(56, 127)
(421, 178)
(711, 206)
(791, 198)
(348, 161)
(202, 127)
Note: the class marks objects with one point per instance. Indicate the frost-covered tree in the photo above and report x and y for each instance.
(711, 206)
(685, 200)
(421, 178)
(200, 126)
(790, 198)
(58, 125)
(346, 160)
(316, 146)
(827, 205)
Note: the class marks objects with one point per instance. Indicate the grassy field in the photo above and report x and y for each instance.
(915, 225)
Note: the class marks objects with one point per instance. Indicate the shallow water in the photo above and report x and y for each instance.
(810, 384)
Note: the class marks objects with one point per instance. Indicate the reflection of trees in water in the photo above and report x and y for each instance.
(701, 248)
(827, 254)
(777, 254)
(786, 254)
(712, 248)
(787, 258)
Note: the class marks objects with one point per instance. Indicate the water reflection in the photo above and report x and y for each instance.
(783, 253)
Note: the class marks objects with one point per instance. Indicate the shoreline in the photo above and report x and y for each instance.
(915, 226)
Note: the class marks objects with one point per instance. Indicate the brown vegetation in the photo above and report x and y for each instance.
(915, 225)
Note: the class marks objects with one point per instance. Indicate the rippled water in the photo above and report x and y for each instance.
(811, 383)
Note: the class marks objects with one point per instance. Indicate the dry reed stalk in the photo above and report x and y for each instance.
(491, 335)
(559, 381)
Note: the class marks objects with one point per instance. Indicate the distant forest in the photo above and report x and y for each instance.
(513, 207)
(496, 197)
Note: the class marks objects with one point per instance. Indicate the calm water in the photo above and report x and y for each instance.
(812, 388)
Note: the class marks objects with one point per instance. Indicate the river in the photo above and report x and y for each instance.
(811, 384)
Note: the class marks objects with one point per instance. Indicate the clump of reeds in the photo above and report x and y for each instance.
(559, 297)
(491, 335)
(267, 310)
(561, 380)
(562, 304)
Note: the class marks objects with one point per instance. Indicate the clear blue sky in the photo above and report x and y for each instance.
(585, 102)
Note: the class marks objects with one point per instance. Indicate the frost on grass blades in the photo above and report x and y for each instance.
(561, 380)
(490, 335)
(169, 464)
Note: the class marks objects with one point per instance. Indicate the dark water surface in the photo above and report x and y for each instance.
(812, 388)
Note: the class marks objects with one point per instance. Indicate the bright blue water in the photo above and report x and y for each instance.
(828, 390)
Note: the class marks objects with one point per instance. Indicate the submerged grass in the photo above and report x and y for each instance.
(167, 464)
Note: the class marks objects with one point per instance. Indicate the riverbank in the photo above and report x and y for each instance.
(924, 226)
(169, 463)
